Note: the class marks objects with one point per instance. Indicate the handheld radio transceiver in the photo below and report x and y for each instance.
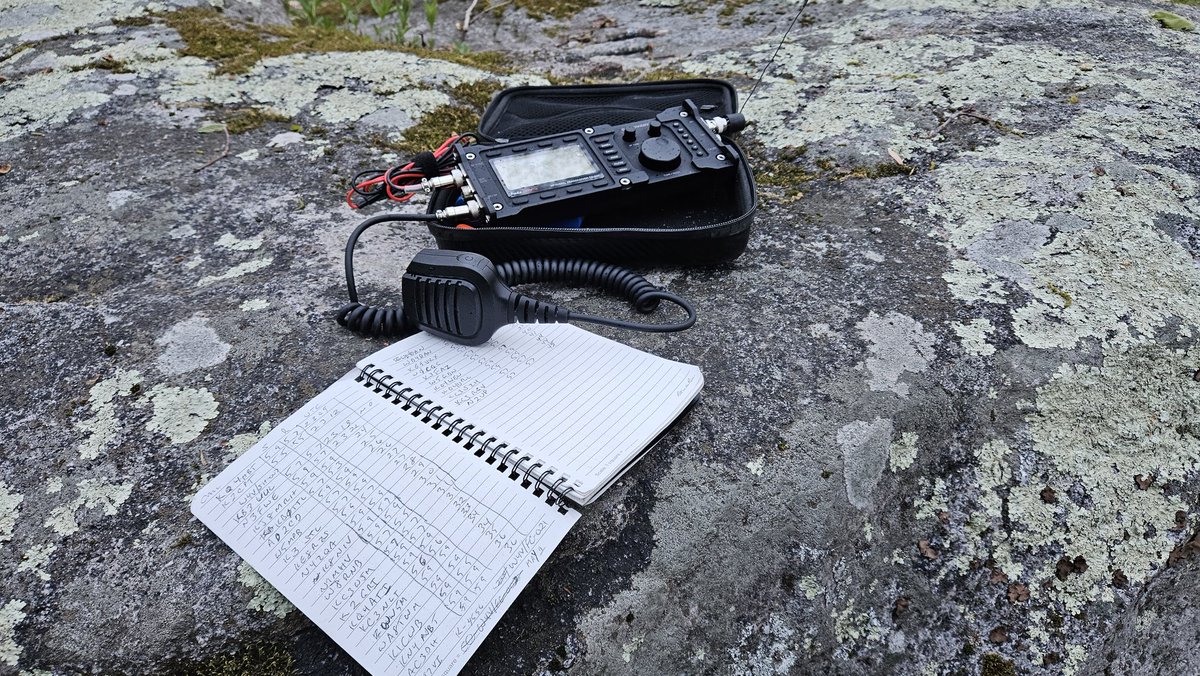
(595, 169)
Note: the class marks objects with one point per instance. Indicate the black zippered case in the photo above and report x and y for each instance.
(688, 229)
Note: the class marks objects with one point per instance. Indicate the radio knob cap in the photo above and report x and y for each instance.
(659, 154)
(629, 134)
(655, 129)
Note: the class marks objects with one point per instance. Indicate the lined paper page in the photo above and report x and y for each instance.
(581, 403)
(403, 547)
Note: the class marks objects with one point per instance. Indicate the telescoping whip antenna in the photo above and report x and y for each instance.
(773, 54)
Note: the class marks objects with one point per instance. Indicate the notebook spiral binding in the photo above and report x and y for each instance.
(457, 430)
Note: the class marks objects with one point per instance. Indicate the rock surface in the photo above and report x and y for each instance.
(951, 421)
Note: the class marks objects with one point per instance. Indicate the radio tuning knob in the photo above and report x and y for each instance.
(659, 154)
(655, 129)
(628, 135)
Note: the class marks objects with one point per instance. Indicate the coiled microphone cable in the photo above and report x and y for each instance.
(462, 297)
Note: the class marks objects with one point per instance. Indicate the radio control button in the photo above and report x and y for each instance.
(655, 129)
(660, 154)
(629, 134)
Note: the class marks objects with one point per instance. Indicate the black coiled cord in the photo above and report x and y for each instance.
(391, 322)
(615, 279)
(611, 278)
(382, 322)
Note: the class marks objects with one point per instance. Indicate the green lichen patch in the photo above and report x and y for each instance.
(558, 9)
(1101, 429)
(237, 46)
(1173, 21)
(242, 120)
(448, 119)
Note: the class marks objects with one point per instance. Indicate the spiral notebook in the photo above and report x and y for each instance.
(405, 507)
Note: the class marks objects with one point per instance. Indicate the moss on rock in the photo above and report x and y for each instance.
(242, 120)
(447, 120)
(237, 46)
(995, 665)
(785, 170)
(1173, 21)
(263, 659)
(557, 9)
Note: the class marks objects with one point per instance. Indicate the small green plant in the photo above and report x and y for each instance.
(431, 11)
(403, 10)
(308, 12)
(382, 10)
(351, 12)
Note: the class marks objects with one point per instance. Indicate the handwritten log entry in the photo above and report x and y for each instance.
(401, 546)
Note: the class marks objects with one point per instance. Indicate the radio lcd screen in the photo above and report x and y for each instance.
(531, 172)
